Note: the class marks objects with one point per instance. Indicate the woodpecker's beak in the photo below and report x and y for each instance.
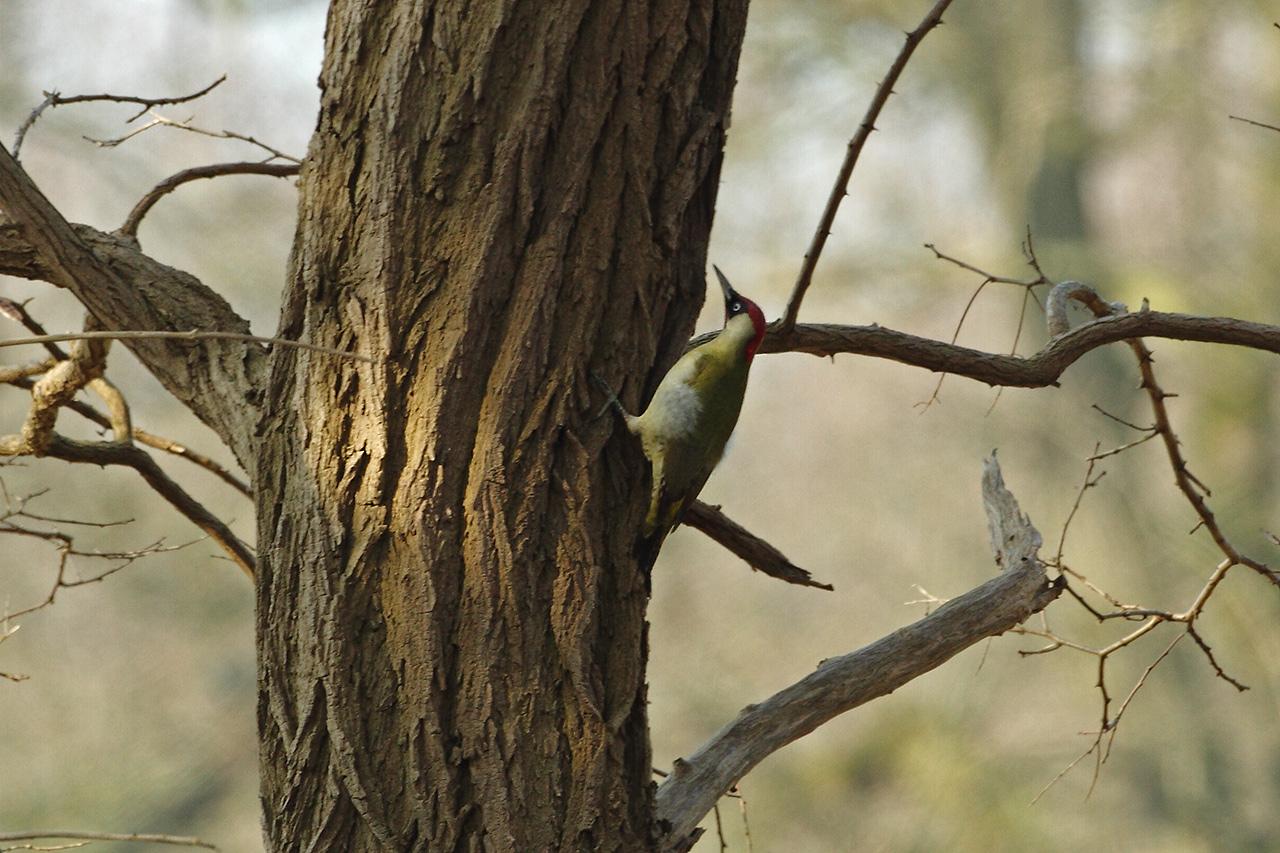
(729, 293)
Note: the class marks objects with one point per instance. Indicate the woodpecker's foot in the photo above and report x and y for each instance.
(613, 400)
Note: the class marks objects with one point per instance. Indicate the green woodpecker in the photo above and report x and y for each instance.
(692, 414)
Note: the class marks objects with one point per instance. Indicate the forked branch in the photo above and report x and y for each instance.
(57, 99)
(843, 683)
(125, 289)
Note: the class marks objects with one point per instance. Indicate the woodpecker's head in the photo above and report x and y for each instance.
(742, 317)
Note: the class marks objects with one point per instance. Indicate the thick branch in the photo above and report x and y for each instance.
(18, 257)
(845, 682)
(125, 289)
(757, 553)
(1038, 370)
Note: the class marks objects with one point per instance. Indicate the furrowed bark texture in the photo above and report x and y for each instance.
(451, 633)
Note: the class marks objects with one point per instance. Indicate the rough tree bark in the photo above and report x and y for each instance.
(451, 633)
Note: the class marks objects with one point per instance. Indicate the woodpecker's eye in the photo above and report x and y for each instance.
(735, 307)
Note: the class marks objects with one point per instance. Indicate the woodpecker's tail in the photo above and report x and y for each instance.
(650, 543)
(646, 552)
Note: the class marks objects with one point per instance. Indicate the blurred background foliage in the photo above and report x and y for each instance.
(1101, 124)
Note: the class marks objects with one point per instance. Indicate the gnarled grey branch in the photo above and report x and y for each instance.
(843, 683)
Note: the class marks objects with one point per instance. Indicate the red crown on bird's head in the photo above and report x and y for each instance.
(735, 304)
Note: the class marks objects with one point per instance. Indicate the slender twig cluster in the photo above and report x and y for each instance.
(1028, 293)
(17, 519)
(1112, 608)
(60, 378)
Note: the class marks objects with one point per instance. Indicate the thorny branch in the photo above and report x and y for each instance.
(57, 99)
(1035, 371)
(841, 187)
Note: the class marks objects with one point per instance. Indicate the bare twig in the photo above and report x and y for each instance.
(719, 828)
(1260, 124)
(841, 187)
(1028, 286)
(56, 99)
(1089, 482)
(103, 453)
(758, 554)
(137, 837)
(17, 519)
(845, 682)
(17, 311)
(1028, 249)
(158, 120)
(192, 335)
(169, 184)
(1213, 661)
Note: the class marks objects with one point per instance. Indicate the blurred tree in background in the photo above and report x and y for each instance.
(1102, 125)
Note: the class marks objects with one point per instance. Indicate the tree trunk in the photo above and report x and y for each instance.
(499, 197)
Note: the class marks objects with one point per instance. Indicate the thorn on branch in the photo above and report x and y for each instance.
(1208, 653)
(55, 99)
(853, 150)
